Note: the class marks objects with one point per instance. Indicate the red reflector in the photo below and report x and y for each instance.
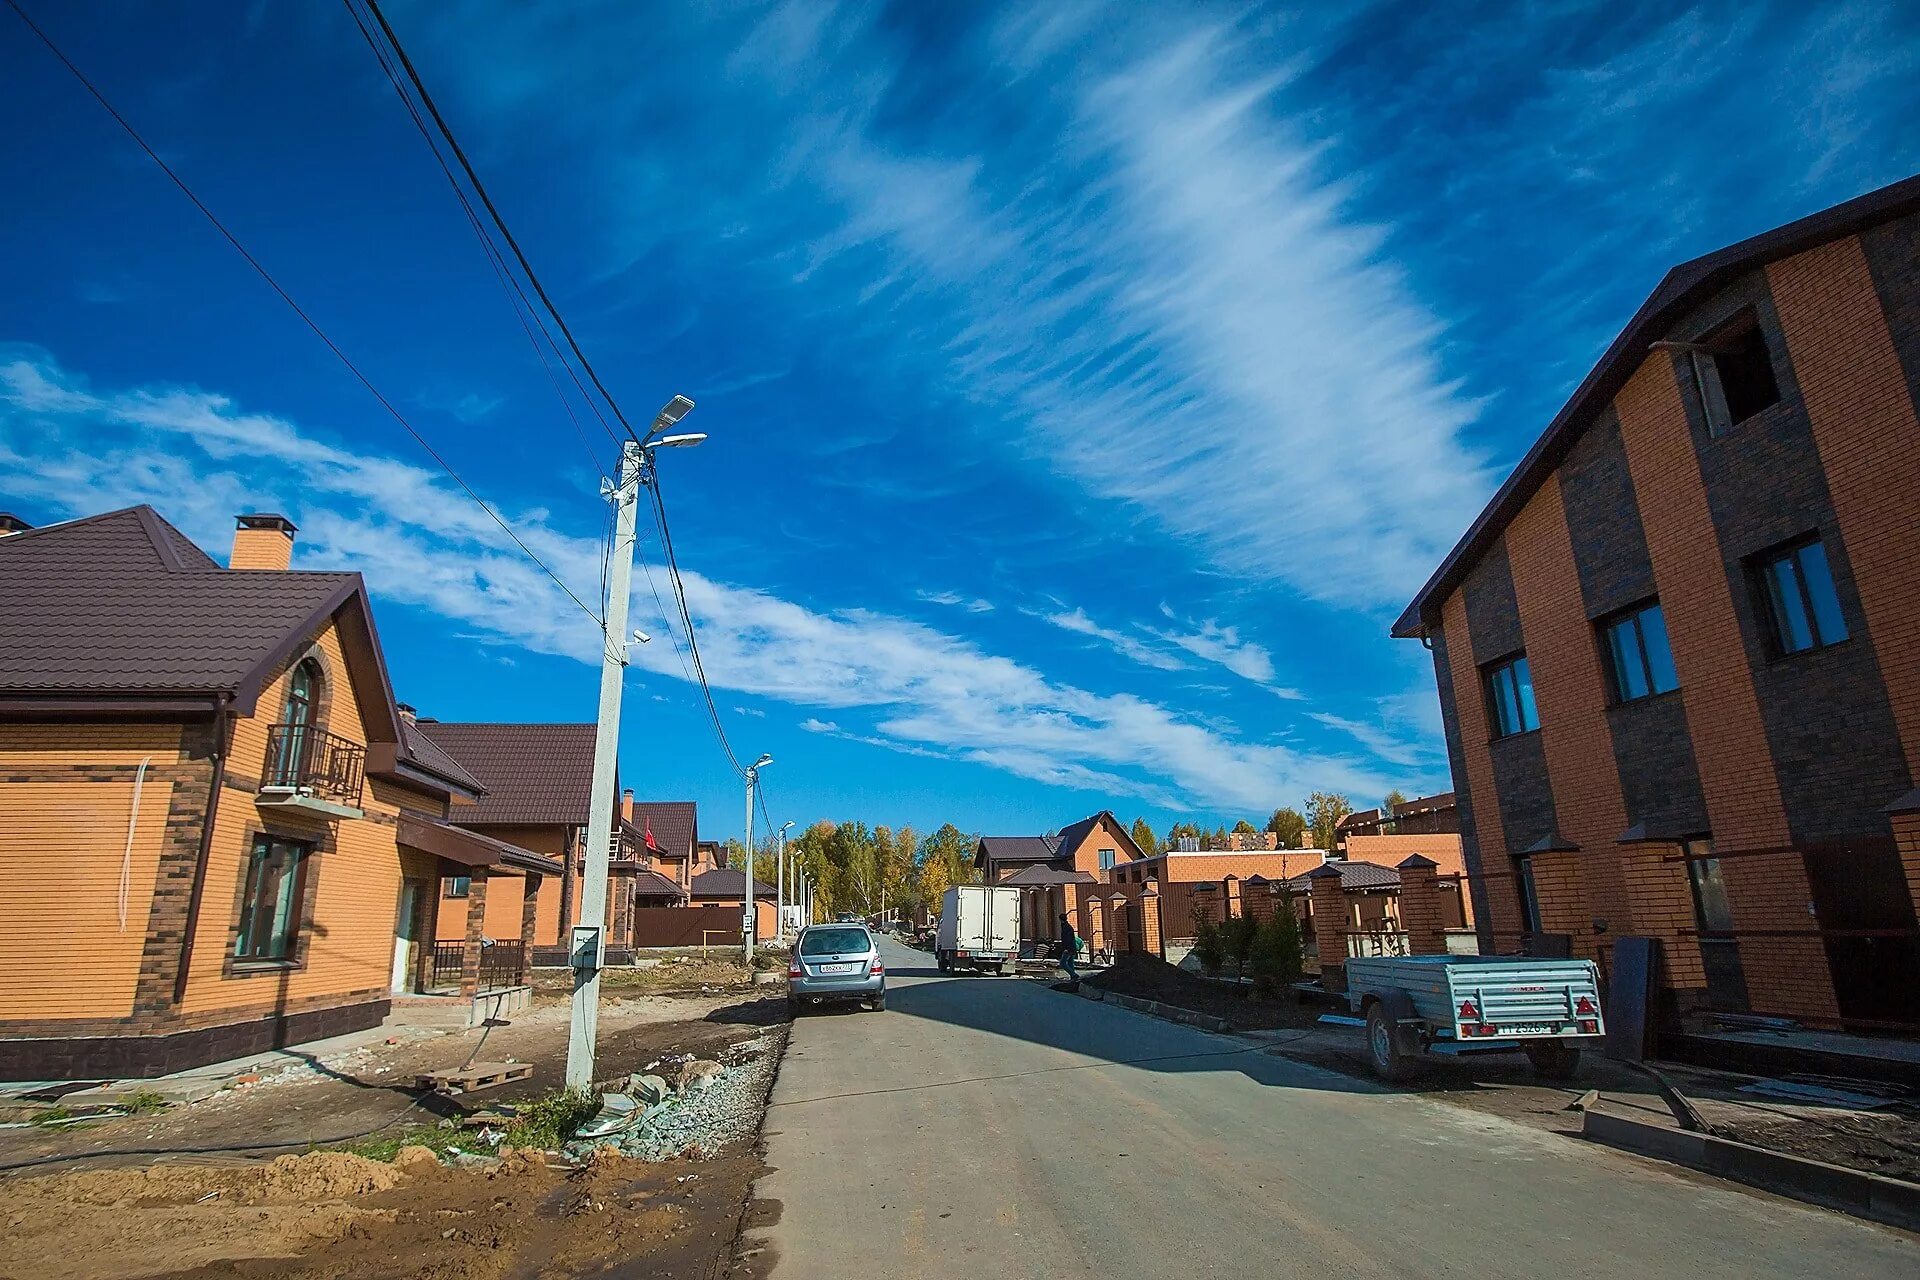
(1584, 1008)
(1469, 1011)
(962, 955)
(1489, 1030)
(1589, 1027)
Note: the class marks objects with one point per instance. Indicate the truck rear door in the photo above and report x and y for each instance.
(1003, 921)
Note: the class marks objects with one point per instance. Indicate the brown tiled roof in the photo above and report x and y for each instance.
(674, 824)
(422, 752)
(651, 884)
(1016, 849)
(725, 882)
(469, 848)
(1041, 874)
(1684, 287)
(124, 605)
(1353, 876)
(534, 773)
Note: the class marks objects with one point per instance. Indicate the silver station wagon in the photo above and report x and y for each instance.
(836, 962)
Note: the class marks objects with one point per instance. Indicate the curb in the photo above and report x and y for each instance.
(1165, 1012)
(1863, 1195)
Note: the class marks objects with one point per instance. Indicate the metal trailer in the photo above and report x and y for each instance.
(1547, 1009)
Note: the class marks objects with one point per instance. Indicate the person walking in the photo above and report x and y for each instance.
(1069, 947)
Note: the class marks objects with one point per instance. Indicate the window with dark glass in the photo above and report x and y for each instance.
(1106, 859)
(1510, 697)
(270, 904)
(457, 886)
(1803, 610)
(1735, 374)
(1639, 663)
(1529, 896)
(1710, 910)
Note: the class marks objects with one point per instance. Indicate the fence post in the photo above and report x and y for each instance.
(1151, 940)
(529, 916)
(1329, 926)
(1420, 906)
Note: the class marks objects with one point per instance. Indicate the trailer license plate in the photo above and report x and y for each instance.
(1531, 1029)
(839, 968)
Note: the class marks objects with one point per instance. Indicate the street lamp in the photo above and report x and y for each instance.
(587, 944)
(780, 889)
(750, 925)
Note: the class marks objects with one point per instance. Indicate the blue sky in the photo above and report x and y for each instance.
(1087, 386)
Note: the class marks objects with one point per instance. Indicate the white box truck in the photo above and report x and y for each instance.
(979, 928)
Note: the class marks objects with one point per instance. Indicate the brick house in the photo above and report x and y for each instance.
(1055, 871)
(726, 887)
(1678, 654)
(539, 780)
(1426, 815)
(219, 833)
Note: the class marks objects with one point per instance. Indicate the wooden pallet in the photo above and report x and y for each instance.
(481, 1075)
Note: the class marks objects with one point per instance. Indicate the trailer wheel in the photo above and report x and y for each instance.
(1384, 1054)
(1552, 1059)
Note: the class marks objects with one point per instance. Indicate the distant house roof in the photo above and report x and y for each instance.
(725, 882)
(651, 884)
(1016, 849)
(420, 751)
(1353, 876)
(1040, 874)
(1074, 832)
(535, 774)
(1683, 288)
(674, 824)
(1358, 818)
(122, 606)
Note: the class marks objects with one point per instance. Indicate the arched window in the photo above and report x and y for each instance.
(303, 694)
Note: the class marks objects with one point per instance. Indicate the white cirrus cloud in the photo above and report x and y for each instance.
(198, 458)
(1127, 646)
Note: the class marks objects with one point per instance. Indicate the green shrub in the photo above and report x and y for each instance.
(1237, 934)
(764, 961)
(1208, 945)
(1277, 957)
(549, 1120)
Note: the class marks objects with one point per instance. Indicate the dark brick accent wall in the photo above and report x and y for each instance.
(1463, 796)
(173, 878)
(1603, 520)
(1659, 777)
(111, 1057)
(1829, 722)
(1493, 614)
(1893, 256)
(1526, 795)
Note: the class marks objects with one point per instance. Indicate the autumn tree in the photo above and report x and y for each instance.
(1289, 826)
(1395, 798)
(1245, 828)
(1143, 836)
(1325, 809)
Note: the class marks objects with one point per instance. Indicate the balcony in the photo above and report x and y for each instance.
(314, 771)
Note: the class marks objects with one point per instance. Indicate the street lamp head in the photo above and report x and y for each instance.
(685, 440)
(785, 825)
(677, 408)
(763, 760)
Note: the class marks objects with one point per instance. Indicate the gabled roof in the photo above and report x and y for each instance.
(651, 884)
(534, 774)
(417, 749)
(725, 882)
(1016, 849)
(1072, 834)
(674, 824)
(1684, 287)
(122, 607)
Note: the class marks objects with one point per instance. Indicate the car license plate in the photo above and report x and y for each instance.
(1531, 1029)
(840, 968)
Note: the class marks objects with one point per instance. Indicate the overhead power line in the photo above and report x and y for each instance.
(493, 211)
(312, 324)
(686, 619)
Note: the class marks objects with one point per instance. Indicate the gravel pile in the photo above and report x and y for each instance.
(725, 1112)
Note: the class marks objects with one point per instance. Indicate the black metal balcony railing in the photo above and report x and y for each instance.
(314, 762)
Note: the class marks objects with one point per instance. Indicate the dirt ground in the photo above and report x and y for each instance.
(233, 1186)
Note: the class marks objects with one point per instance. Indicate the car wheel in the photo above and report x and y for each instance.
(1552, 1060)
(1384, 1054)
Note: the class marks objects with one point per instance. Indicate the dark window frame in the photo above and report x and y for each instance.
(1773, 608)
(284, 945)
(1736, 353)
(1708, 918)
(1619, 690)
(1109, 859)
(1528, 893)
(448, 889)
(1526, 711)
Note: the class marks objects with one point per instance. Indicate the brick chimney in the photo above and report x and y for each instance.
(407, 714)
(262, 540)
(626, 804)
(11, 523)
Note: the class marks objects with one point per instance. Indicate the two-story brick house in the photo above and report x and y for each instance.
(217, 834)
(1678, 654)
(1054, 871)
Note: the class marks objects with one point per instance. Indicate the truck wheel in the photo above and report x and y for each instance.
(1551, 1059)
(1383, 1048)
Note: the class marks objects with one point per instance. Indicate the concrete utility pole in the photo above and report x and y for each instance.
(751, 923)
(780, 890)
(587, 948)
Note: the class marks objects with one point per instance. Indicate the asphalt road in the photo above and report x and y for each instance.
(990, 1128)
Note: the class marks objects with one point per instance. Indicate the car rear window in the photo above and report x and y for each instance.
(826, 942)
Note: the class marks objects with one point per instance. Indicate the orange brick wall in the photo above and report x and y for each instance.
(1571, 692)
(1857, 399)
(1656, 884)
(1723, 712)
(1496, 867)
